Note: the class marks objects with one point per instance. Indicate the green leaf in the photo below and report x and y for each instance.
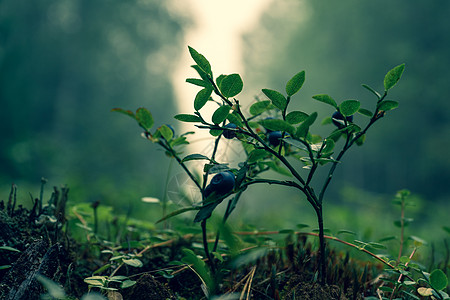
(231, 85)
(346, 232)
(93, 296)
(199, 266)
(360, 141)
(215, 132)
(123, 111)
(295, 83)
(187, 118)
(393, 76)
(365, 112)
(221, 114)
(277, 125)
(234, 118)
(95, 280)
(134, 262)
(9, 248)
(145, 119)
(200, 60)
(329, 146)
(302, 130)
(194, 156)
(296, 117)
(326, 120)
(177, 212)
(277, 168)
(54, 289)
(438, 279)
(349, 107)
(206, 210)
(276, 97)
(127, 283)
(325, 99)
(102, 268)
(202, 74)
(377, 245)
(166, 132)
(256, 155)
(387, 105)
(296, 143)
(219, 79)
(371, 90)
(260, 107)
(198, 82)
(201, 98)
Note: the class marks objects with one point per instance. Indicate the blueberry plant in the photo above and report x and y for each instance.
(272, 136)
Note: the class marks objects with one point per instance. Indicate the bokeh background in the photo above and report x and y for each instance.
(64, 64)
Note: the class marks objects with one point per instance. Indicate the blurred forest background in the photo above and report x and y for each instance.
(64, 64)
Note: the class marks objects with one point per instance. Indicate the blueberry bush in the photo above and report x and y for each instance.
(272, 136)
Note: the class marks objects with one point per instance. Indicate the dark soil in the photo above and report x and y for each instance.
(45, 249)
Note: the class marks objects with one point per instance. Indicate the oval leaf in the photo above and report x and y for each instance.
(325, 99)
(231, 85)
(349, 107)
(393, 76)
(234, 118)
(134, 262)
(438, 279)
(276, 97)
(277, 125)
(260, 107)
(221, 114)
(371, 90)
(387, 105)
(144, 117)
(123, 111)
(187, 118)
(166, 132)
(296, 117)
(295, 84)
(303, 129)
(198, 82)
(194, 156)
(256, 155)
(177, 212)
(200, 60)
(201, 98)
(365, 112)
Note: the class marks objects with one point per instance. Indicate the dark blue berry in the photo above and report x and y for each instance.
(229, 134)
(338, 119)
(274, 138)
(222, 183)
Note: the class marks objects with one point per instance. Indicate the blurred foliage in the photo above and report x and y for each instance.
(63, 65)
(341, 43)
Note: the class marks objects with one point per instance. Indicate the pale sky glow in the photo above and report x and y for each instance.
(217, 34)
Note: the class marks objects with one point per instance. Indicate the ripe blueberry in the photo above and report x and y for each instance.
(222, 183)
(338, 119)
(229, 134)
(274, 138)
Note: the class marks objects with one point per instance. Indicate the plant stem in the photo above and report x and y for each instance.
(322, 245)
(205, 247)
(402, 230)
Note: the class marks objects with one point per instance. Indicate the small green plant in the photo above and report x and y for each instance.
(272, 138)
